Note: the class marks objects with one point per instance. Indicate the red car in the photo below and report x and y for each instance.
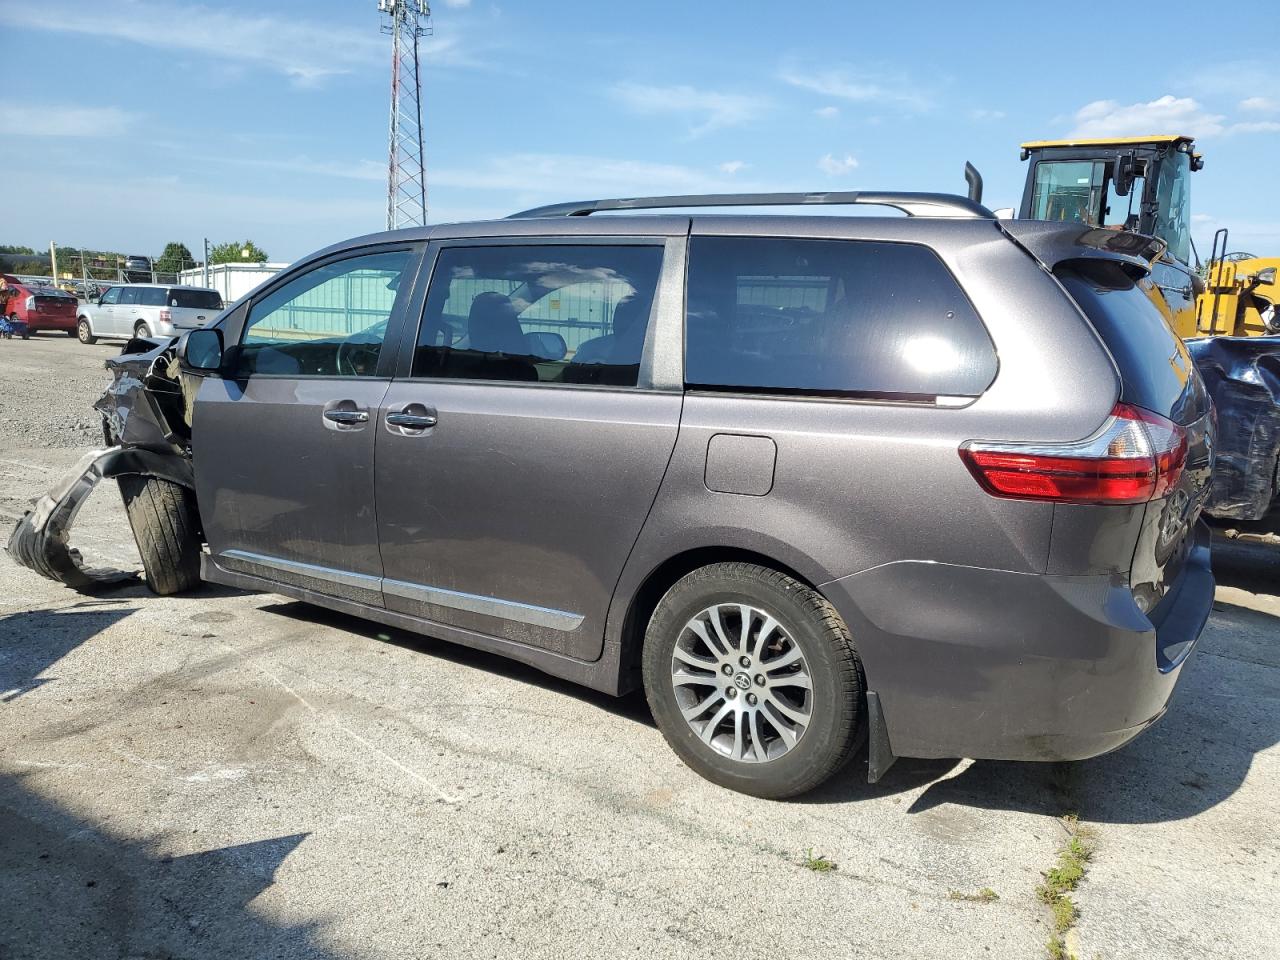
(40, 307)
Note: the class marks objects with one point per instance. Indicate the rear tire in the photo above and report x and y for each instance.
(84, 332)
(797, 660)
(163, 517)
(141, 331)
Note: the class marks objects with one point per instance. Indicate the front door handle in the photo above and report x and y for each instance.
(415, 421)
(347, 417)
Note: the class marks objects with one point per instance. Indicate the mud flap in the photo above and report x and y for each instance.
(879, 754)
(40, 541)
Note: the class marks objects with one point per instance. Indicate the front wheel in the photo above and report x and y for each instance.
(753, 680)
(84, 332)
(26, 330)
(164, 521)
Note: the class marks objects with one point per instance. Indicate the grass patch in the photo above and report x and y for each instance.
(985, 895)
(1061, 880)
(818, 864)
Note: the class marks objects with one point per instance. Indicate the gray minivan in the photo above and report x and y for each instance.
(929, 481)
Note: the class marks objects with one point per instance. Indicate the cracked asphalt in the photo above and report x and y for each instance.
(235, 775)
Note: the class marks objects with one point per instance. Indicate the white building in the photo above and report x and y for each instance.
(232, 280)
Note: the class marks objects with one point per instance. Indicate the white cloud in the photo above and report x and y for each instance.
(857, 87)
(828, 113)
(1259, 105)
(1168, 114)
(307, 51)
(1255, 126)
(457, 3)
(62, 120)
(732, 166)
(543, 177)
(837, 166)
(980, 114)
(708, 109)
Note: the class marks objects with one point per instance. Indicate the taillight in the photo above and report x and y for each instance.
(1136, 456)
(166, 316)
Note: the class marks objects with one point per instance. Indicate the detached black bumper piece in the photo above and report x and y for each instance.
(40, 541)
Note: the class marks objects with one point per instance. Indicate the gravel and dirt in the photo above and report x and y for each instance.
(232, 775)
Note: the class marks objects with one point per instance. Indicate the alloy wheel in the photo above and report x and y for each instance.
(742, 682)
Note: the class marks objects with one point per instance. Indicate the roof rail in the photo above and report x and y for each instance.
(912, 204)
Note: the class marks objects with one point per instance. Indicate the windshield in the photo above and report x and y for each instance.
(1173, 217)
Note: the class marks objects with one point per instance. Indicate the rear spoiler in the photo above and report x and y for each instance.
(1053, 243)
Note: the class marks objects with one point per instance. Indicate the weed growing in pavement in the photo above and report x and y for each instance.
(985, 895)
(818, 864)
(1062, 879)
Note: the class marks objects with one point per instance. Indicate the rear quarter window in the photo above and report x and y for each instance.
(195, 299)
(1156, 371)
(831, 318)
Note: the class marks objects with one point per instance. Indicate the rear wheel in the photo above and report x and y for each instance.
(84, 332)
(141, 330)
(163, 517)
(753, 680)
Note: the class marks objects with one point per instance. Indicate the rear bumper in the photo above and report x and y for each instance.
(990, 664)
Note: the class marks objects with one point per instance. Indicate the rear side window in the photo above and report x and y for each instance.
(539, 313)
(831, 318)
(1156, 372)
(151, 297)
(194, 299)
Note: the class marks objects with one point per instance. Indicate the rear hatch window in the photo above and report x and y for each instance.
(194, 299)
(1156, 371)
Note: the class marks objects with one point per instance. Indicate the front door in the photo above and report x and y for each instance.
(122, 314)
(104, 317)
(519, 456)
(284, 441)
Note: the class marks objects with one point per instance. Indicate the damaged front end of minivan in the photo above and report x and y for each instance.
(146, 413)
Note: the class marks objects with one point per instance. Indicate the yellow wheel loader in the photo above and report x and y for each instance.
(1227, 310)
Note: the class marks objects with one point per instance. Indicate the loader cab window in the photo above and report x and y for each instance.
(1068, 191)
(1173, 214)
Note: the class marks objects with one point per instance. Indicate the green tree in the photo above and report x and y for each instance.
(8, 248)
(176, 257)
(237, 251)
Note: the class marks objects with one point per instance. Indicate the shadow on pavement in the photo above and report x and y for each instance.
(71, 889)
(631, 707)
(1223, 713)
(32, 641)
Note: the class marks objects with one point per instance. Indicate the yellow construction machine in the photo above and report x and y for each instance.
(1228, 310)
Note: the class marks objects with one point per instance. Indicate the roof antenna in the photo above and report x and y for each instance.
(974, 179)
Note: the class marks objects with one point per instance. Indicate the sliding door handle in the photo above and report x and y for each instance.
(414, 421)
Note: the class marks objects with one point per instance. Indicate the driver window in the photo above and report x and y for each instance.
(327, 322)
(112, 296)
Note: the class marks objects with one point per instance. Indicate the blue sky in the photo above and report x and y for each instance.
(129, 123)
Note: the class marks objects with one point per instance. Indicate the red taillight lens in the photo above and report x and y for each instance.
(1137, 456)
(166, 316)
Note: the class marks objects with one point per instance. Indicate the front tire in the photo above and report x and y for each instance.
(753, 680)
(84, 332)
(164, 521)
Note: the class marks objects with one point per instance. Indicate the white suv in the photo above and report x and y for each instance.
(146, 310)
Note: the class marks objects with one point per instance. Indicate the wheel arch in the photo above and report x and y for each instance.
(662, 577)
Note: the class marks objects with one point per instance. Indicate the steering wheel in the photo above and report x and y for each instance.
(354, 358)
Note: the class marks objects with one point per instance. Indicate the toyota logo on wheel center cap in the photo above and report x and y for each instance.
(742, 682)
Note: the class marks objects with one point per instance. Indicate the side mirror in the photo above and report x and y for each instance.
(202, 350)
(1005, 213)
(1267, 276)
(545, 345)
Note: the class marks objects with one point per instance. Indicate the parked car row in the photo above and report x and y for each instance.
(931, 482)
